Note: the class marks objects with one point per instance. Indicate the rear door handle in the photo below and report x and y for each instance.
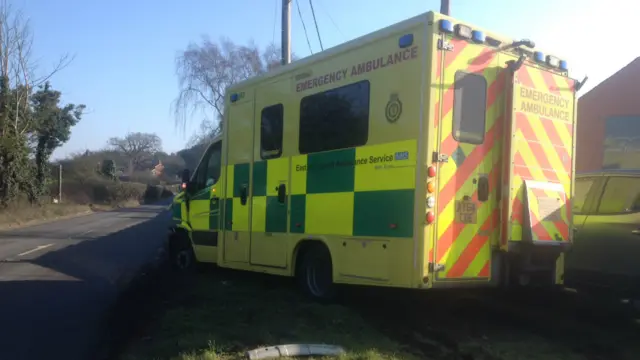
(635, 232)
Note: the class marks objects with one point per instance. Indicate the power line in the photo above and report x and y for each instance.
(328, 13)
(316, 23)
(304, 27)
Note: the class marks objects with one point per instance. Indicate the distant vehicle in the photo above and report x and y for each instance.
(430, 154)
(606, 247)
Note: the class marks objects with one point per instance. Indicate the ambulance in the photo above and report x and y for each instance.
(429, 154)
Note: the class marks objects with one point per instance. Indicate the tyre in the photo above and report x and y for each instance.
(181, 253)
(315, 273)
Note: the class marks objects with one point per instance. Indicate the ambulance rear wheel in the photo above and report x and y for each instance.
(315, 272)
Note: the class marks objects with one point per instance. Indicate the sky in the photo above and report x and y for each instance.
(124, 66)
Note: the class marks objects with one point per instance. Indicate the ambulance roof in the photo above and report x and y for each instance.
(362, 40)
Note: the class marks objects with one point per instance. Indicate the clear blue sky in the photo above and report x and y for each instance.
(125, 50)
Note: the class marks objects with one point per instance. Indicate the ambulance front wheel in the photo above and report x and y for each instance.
(315, 272)
(181, 255)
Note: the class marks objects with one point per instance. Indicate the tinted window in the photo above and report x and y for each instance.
(469, 107)
(271, 127)
(210, 168)
(583, 186)
(335, 119)
(621, 148)
(620, 195)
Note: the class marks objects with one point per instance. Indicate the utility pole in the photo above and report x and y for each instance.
(445, 7)
(286, 32)
(60, 184)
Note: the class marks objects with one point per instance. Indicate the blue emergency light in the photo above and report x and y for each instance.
(538, 56)
(234, 97)
(563, 65)
(405, 41)
(477, 36)
(446, 26)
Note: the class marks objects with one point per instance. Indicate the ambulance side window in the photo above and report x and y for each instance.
(208, 172)
(469, 107)
(335, 119)
(271, 127)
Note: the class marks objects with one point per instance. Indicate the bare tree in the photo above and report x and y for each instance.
(17, 66)
(137, 147)
(207, 69)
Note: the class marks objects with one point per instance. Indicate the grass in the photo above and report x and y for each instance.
(221, 316)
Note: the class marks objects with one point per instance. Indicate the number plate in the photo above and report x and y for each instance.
(466, 212)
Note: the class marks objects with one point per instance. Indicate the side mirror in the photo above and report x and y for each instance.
(185, 179)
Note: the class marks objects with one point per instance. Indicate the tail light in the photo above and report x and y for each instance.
(430, 217)
(431, 171)
(431, 189)
(431, 202)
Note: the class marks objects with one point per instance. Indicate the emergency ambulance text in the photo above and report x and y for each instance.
(359, 69)
(543, 104)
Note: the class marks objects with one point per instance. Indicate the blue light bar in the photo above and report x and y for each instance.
(405, 41)
(538, 56)
(477, 36)
(234, 97)
(563, 65)
(446, 26)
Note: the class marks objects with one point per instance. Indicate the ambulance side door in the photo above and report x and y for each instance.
(204, 204)
(269, 220)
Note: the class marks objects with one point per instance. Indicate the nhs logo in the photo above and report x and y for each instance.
(402, 155)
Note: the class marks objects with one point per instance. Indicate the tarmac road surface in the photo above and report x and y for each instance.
(58, 280)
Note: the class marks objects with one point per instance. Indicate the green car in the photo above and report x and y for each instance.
(606, 250)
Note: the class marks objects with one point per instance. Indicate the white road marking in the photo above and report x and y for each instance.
(35, 249)
(72, 237)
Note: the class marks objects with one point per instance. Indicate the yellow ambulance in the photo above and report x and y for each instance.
(429, 154)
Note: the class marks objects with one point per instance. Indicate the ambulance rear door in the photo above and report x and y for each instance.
(469, 152)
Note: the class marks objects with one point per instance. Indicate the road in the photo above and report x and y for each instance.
(58, 280)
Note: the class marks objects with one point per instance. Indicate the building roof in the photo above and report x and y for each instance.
(633, 65)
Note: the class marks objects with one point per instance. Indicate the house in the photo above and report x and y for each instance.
(158, 169)
(608, 130)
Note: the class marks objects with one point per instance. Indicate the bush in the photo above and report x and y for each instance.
(154, 193)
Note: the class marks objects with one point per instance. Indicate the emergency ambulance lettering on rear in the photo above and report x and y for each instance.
(359, 69)
(542, 104)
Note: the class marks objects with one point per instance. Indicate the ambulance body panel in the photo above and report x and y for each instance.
(422, 155)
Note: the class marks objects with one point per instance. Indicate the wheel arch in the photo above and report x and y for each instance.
(302, 246)
(179, 232)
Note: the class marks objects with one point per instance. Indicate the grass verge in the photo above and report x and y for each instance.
(220, 315)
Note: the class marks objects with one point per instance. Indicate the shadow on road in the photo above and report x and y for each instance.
(53, 306)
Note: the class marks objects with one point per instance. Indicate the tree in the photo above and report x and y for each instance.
(206, 70)
(51, 127)
(137, 147)
(108, 169)
(18, 76)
